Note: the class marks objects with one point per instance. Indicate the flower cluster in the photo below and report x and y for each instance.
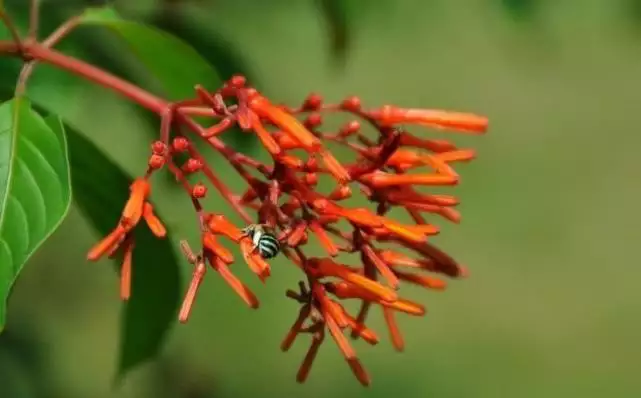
(390, 168)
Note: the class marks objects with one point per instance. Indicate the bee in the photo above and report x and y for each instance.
(265, 242)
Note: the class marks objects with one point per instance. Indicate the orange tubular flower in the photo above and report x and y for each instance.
(258, 266)
(382, 180)
(467, 122)
(320, 268)
(219, 258)
(286, 122)
(297, 132)
(281, 207)
(136, 208)
(325, 314)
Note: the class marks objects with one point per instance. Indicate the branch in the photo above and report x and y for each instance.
(17, 41)
(34, 13)
(39, 52)
(49, 42)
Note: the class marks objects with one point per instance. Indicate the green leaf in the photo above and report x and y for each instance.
(520, 10)
(175, 65)
(194, 27)
(632, 10)
(100, 191)
(222, 55)
(24, 362)
(336, 14)
(35, 190)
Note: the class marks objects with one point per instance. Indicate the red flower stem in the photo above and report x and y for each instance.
(251, 162)
(337, 108)
(166, 121)
(197, 111)
(180, 177)
(230, 155)
(142, 97)
(224, 191)
(217, 144)
(41, 53)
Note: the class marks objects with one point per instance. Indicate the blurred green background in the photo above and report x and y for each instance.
(550, 213)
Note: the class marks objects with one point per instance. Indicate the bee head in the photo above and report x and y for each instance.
(251, 229)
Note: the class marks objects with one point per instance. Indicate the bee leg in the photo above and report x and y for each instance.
(254, 246)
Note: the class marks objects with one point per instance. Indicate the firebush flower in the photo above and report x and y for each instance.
(137, 208)
(367, 254)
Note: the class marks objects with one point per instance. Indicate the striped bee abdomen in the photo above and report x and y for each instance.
(268, 246)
